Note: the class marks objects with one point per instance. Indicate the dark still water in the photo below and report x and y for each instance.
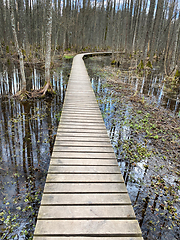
(27, 133)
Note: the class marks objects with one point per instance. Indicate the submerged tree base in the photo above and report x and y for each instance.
(46, 91)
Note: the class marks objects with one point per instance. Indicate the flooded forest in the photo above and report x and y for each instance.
(137, 88)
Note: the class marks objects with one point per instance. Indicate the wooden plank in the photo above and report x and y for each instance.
(88, 227)
(80, 125)
(82, 162)
(77, 106)
(85, 188)
(77, 97)
(66, 142)
(86, 238)
(80, 107)
(82, 155)
(77, 103)
(86, 199)
(78, 100)
(82, 130)
(83, 112)
(82, 138)
(80, 111)
(85, 108)
(83, 149)
(85, 134)
(83, 169)
(79, 177)
(70, 124)
(83, 115)
(81, 118)
(86, 212)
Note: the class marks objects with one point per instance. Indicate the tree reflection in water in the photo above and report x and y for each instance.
(27, 133)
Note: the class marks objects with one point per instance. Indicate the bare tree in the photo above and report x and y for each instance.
(157, 20)
(90, 25)
(19, 50)
(174, 54)
(137, 23)
(149, 27)
(48, 86)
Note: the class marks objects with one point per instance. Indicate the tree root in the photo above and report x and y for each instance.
(47, 90)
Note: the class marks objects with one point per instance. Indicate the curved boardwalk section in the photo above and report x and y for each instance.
(85, 196)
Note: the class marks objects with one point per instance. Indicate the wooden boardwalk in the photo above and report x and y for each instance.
(84, 196)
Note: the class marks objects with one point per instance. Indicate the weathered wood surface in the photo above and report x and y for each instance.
(86, 199)
(105, 177)
(86, 238)
(85, 196)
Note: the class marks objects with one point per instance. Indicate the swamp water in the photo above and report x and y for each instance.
(27, 133)
(147, 151)
(146, 141)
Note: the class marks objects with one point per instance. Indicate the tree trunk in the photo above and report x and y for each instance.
(168, 38)
(173, 62)
(2, 22)
(113, 30)
(19, 51)
(48, 41)
(136, 26)
(148, 27)
(153, 43)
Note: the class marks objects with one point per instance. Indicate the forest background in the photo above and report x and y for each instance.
(36, 30)
(36, 34)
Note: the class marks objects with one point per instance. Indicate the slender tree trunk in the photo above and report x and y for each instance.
(153, 44)
(168, 38)
(113, 30)
(173, 62)
(48, 41)
(136, 26)
(43, 30)
(148, 27)
(2, 22)
(19, 51)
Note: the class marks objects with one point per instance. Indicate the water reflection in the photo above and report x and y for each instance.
(152, 85)
(27, 132)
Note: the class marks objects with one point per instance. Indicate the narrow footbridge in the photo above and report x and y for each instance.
(85, 197)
